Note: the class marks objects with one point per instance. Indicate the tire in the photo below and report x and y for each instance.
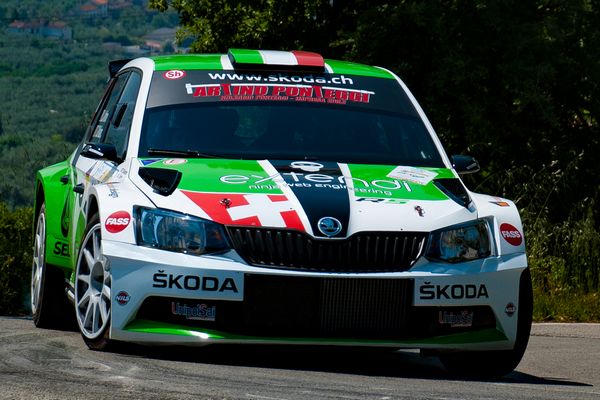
(50, 307)
(490, 364)
(93, 283)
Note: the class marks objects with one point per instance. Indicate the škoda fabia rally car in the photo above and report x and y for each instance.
(276, 197)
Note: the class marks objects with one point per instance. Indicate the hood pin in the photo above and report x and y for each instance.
(420, 210)
(225, 202)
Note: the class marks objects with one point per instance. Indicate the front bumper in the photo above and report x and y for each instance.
(160, 297)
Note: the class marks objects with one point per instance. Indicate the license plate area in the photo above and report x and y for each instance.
(456, 319)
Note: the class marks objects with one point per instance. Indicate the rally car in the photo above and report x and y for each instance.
(276, 197)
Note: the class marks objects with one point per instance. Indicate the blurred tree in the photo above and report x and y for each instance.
(220, 24)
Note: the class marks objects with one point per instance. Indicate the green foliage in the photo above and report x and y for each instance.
(565, 263)
(15, 259)
(271, 24)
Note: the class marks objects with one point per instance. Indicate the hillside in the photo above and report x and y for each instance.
(53, 60)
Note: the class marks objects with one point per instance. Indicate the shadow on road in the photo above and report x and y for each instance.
(353, 361)
(520, 377)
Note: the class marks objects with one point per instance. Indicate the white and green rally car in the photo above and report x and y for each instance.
(276, 197)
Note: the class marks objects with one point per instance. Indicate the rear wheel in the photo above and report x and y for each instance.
(49, 305)
(497, 363)
(93, 289)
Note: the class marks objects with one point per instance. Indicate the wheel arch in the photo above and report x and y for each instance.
(93, 208)
(38, 201)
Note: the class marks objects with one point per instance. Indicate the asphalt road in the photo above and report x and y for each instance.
(562, 362)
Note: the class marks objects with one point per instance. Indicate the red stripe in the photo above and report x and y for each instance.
(308, 59)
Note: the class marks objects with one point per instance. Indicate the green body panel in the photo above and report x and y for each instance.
(145, 326)
(56, 197)
(204, 175)
(188, 61)
(349, 68)
(364, 175)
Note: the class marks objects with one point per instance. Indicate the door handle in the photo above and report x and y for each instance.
(64, 179)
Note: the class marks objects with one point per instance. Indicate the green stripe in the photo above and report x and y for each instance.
(343, 67)
(145, 326)
(188, 62)
(243, 56)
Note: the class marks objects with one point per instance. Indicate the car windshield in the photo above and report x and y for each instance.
(374, 126)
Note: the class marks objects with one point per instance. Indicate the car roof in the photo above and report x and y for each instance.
(266, 60)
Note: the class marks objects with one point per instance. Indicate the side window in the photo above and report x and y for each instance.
(117, 131)
(102, 118)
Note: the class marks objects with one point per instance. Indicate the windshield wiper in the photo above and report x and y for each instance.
(181, 153)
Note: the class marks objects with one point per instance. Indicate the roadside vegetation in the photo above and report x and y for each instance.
(513, 83)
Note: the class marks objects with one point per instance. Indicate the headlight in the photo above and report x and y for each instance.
(460, 243)
(173, 231)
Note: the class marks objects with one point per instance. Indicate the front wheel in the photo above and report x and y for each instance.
(497, 363)
(93, 289)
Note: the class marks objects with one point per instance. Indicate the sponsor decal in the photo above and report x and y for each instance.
(510, 309)
(412, 174)
(100, 171)
(500, 202)
(329, 226)
(199, 312)
(307, 166)
(175, 161)
(174, 74)
(279, 92)
(321, 181)
(248, 209)
(113, 193)
(122, 173)
(511, 234)
(420, 211)
(122, 298)
(61, 249)
(429, 291)
(463, 319)
(381, 201)
(163, 280)
(283, 78)
(117, 221)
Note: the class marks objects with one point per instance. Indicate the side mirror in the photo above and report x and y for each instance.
(101, 151)
(465, 164)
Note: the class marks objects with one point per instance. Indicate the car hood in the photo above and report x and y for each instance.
(321, 198)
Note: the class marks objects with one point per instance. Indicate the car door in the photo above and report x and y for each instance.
(110, 128)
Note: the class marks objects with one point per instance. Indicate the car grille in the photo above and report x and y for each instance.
(327, 307)
(361, 252)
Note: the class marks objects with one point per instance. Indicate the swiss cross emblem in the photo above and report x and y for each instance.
(274, 210)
